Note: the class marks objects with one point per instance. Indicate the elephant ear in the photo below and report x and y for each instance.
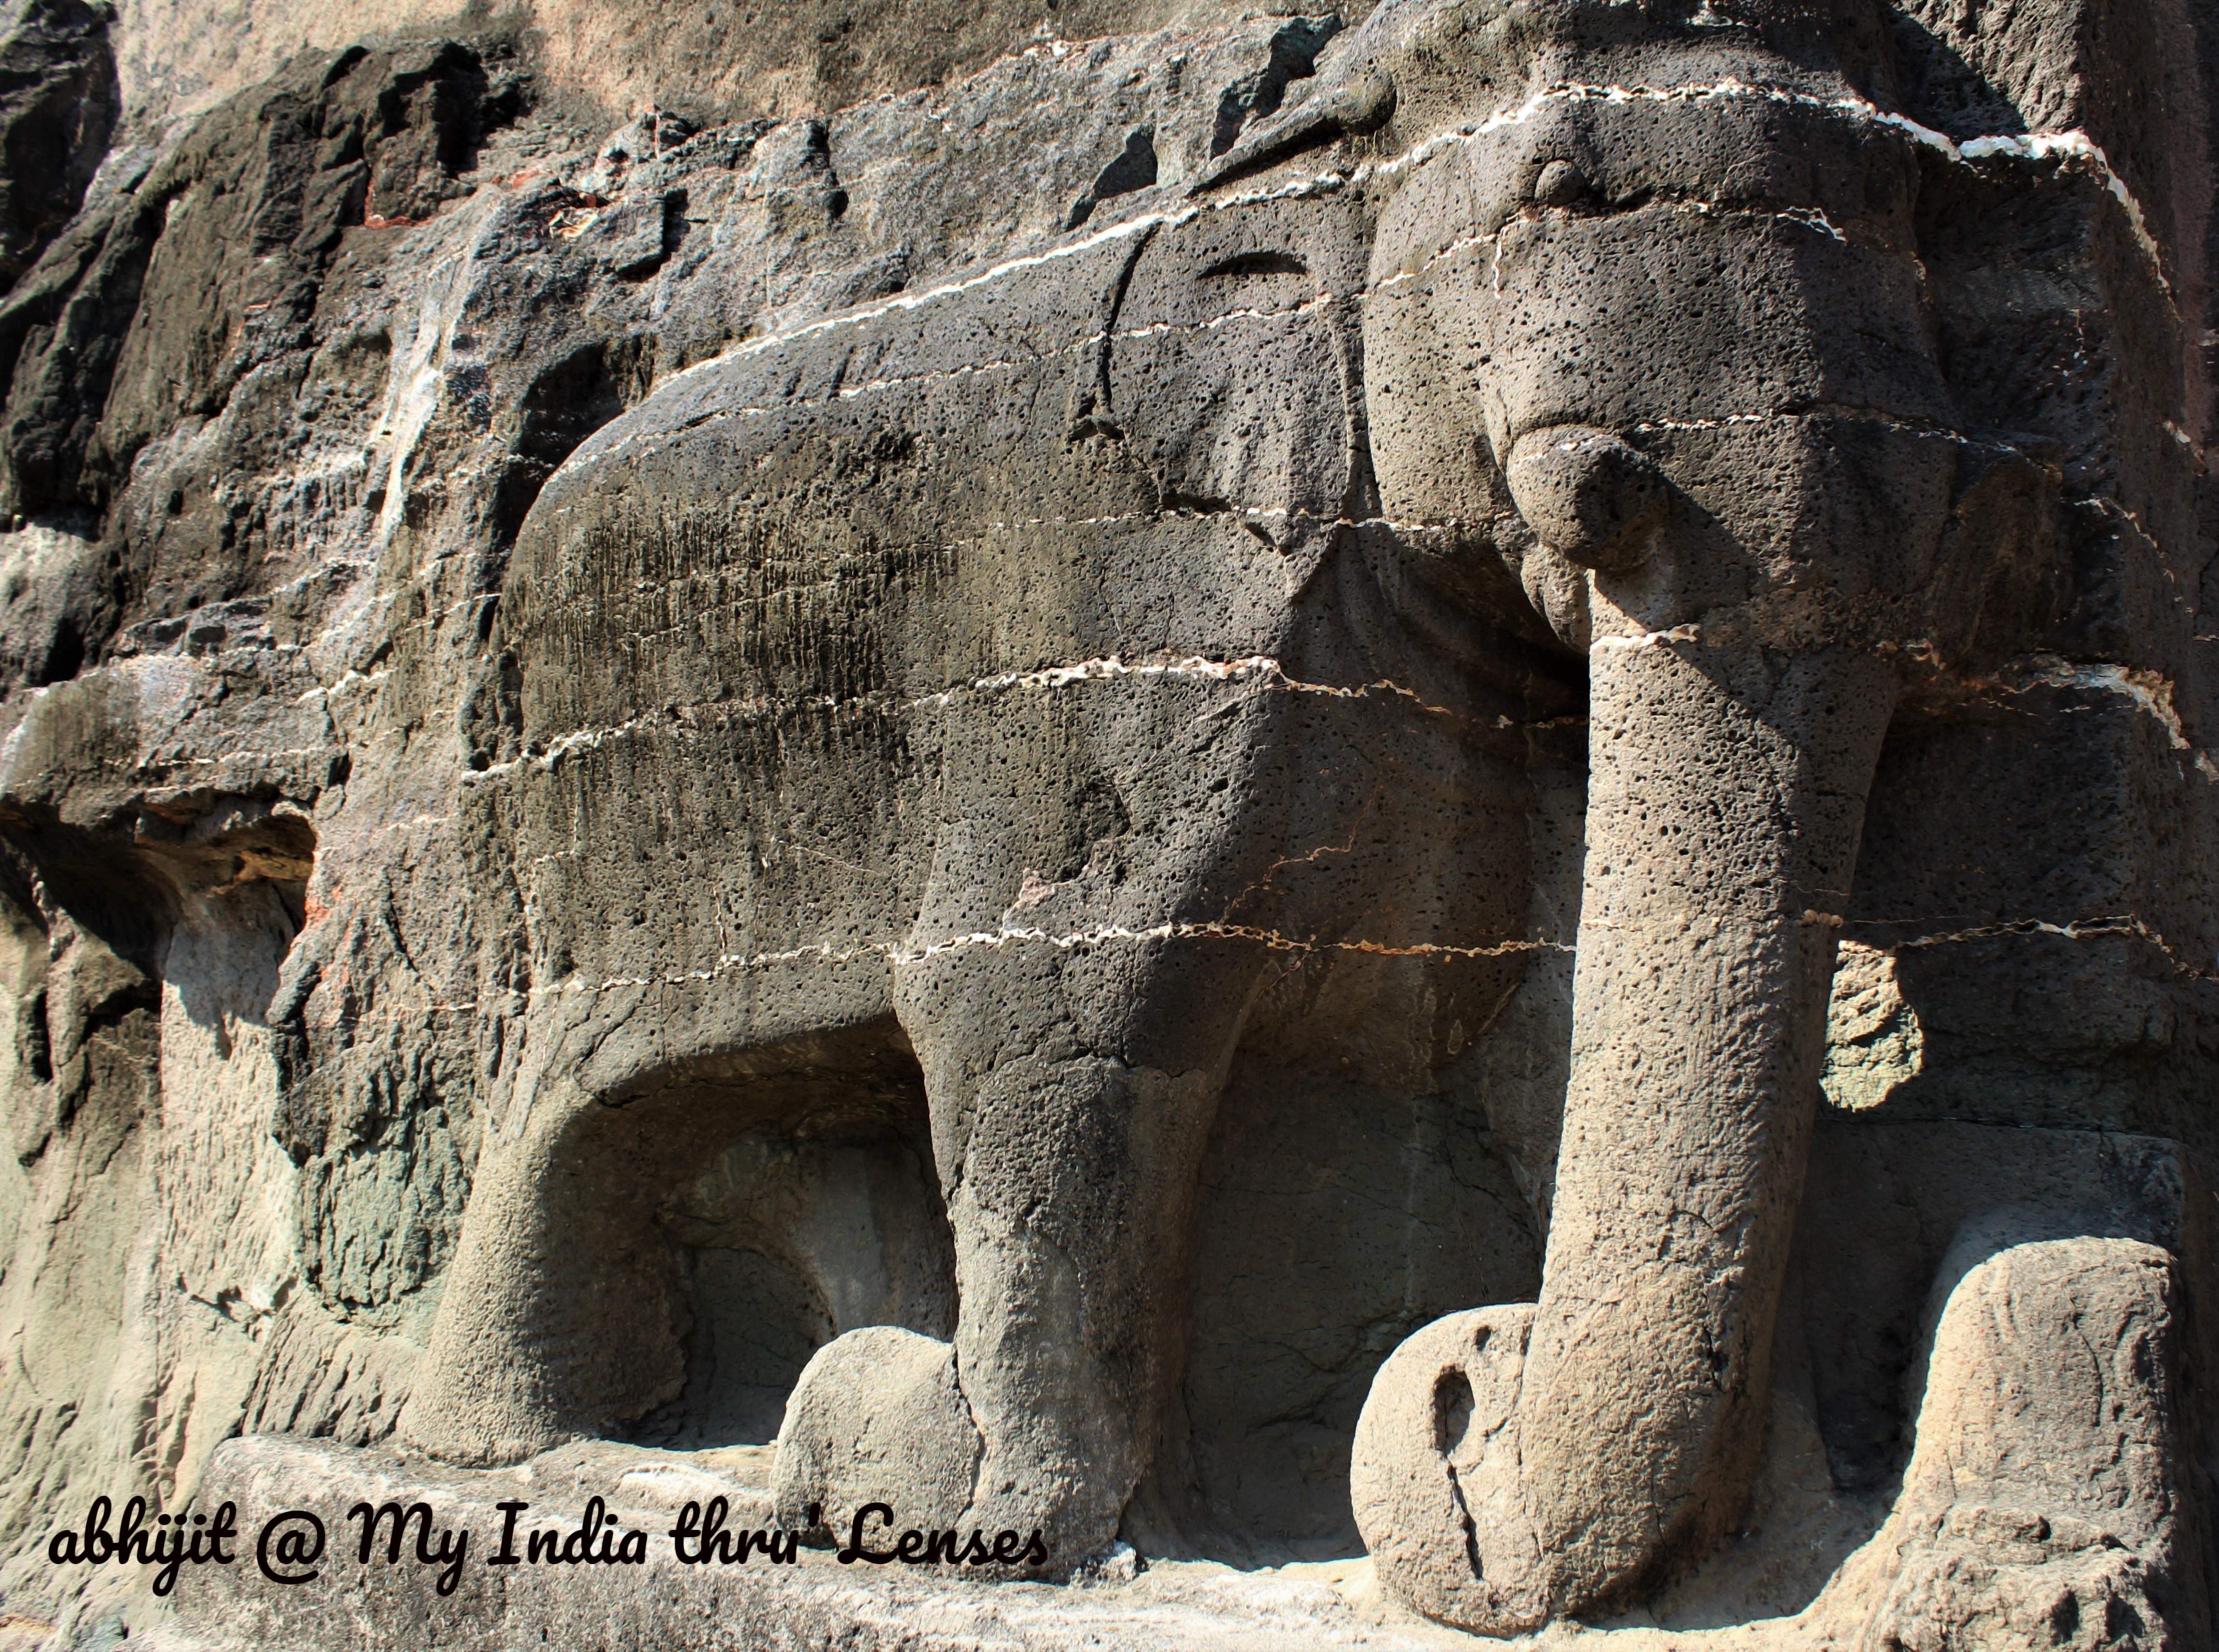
(1232, 367)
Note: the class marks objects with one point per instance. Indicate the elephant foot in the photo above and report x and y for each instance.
(879, 1417)
(876, 1417)
(2043, 1504)
(1434, 1474)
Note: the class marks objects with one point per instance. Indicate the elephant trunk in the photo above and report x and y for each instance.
(1727, 794)
(1586, 1445)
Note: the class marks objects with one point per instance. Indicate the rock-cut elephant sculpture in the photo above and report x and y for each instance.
(1008, 682)
(1017, 673)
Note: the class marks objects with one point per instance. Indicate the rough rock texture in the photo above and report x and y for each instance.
(2045, 1498)
(57, 111)
(1029, 783)
(707, 61)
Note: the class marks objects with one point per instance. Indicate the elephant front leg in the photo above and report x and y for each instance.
(1518, 1464)
(1072, 1087)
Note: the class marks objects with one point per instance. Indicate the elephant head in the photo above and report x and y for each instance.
(1645, 316)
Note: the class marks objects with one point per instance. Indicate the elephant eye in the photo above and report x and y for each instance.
(1560, 183)
(1256, 263)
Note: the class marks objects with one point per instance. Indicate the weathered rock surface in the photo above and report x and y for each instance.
(997, 756)
(2045, 1499)
(57, 111)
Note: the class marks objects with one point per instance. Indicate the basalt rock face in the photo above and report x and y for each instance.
(56, 114)
(1432, 782)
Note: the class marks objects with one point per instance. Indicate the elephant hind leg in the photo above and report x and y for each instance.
(1070, 1175)
(656, 1263)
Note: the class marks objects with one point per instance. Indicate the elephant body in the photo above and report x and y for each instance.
(1015, 680)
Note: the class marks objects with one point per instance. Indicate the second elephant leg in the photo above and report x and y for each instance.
(1071, 1091)
(1072, 1094)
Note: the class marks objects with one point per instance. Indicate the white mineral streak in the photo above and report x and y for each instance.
(1079, 345)
(1012, 935)
(911, 953)
(1272, 675)
(1812, 410)
(1646, 640)
(2109, 926)
(2040, 146)
(2152, 693)
(2149, 691)
(2126, 924)
(1111, 668)
(2070, 146)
